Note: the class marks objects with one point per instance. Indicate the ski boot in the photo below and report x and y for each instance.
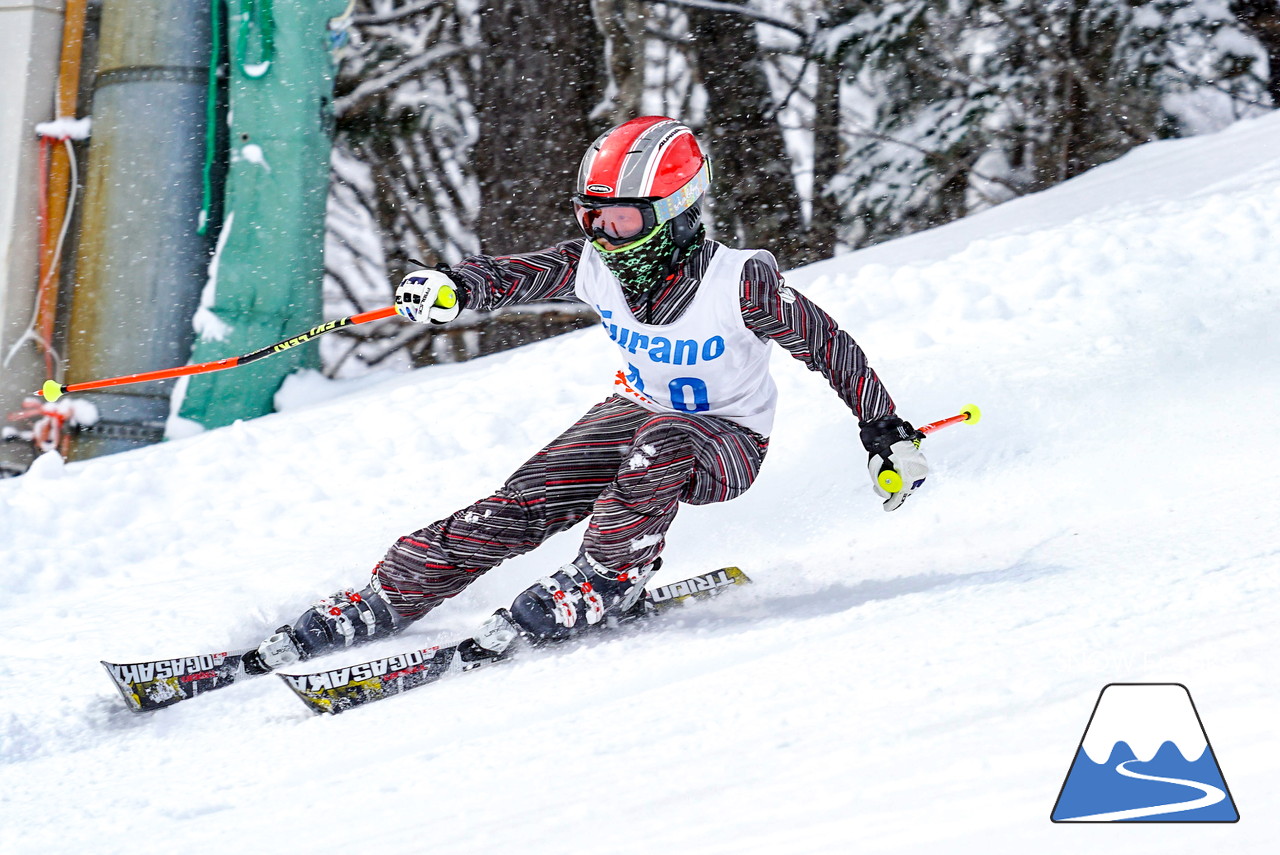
(342, 620)
(576, 598)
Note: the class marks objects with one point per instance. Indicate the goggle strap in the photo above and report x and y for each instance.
(684, 198)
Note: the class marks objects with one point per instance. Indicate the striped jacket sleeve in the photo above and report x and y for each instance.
(775, 311)
(491, 282)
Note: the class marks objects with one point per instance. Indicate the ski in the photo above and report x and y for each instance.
(160, 683)
(340, 689)
(150, 686)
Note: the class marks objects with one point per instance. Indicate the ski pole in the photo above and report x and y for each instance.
(970, 414)
(52, 390)
(891, 481)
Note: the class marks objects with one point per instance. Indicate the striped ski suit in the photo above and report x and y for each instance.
(623, 466)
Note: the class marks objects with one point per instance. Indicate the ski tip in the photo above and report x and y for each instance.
(318, 702)
(698, 587)
(159, 683)
(130, 699)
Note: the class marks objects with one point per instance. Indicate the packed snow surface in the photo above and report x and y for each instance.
(914, 682)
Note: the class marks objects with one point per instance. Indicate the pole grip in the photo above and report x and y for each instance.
(889, 480)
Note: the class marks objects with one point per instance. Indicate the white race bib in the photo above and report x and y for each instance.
(706, 362)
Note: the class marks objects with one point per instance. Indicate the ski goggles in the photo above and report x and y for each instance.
(624, 220)
(617, 221)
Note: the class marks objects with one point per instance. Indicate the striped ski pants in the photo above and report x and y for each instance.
(621, 465)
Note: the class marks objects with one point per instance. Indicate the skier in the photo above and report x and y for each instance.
(688, 420)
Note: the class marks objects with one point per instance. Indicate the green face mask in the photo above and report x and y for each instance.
(641, 264)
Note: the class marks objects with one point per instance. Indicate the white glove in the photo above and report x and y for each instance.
(427, 297)
(906, 462)
(896, 465)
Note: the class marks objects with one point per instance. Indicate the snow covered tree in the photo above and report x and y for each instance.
(967, 102)
(622, 23)
(403, 112)
(402, 184)
(832, 124)
(921, 118)
(458, 130)
(1261, 20)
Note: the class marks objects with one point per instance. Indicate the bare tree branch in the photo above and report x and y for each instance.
(734, 9)
(373, 19)
(370, 88)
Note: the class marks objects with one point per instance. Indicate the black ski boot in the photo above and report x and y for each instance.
(342, 620)
(576, 598)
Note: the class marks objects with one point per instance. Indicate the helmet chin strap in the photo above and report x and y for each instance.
(684, 249)
(679, 254)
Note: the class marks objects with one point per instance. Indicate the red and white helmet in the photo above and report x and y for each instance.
(637, 176)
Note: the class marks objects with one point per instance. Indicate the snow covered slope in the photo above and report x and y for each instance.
(911, 682)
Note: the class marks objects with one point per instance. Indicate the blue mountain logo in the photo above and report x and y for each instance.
(1145, 757)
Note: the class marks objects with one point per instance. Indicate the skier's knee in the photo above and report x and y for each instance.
(423, 569)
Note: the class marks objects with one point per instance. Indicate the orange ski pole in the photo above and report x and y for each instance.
(970, 414)
(52, 390)
(891, 481)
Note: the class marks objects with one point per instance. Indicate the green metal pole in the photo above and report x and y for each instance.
(267, 276)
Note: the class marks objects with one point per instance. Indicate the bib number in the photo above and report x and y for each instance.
(689, 395)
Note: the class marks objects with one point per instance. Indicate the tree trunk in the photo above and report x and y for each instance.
(754, 195)
(622, 24)
(541, 72)
(824, 221)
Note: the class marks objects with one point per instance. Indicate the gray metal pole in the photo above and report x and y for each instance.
(140, 263)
